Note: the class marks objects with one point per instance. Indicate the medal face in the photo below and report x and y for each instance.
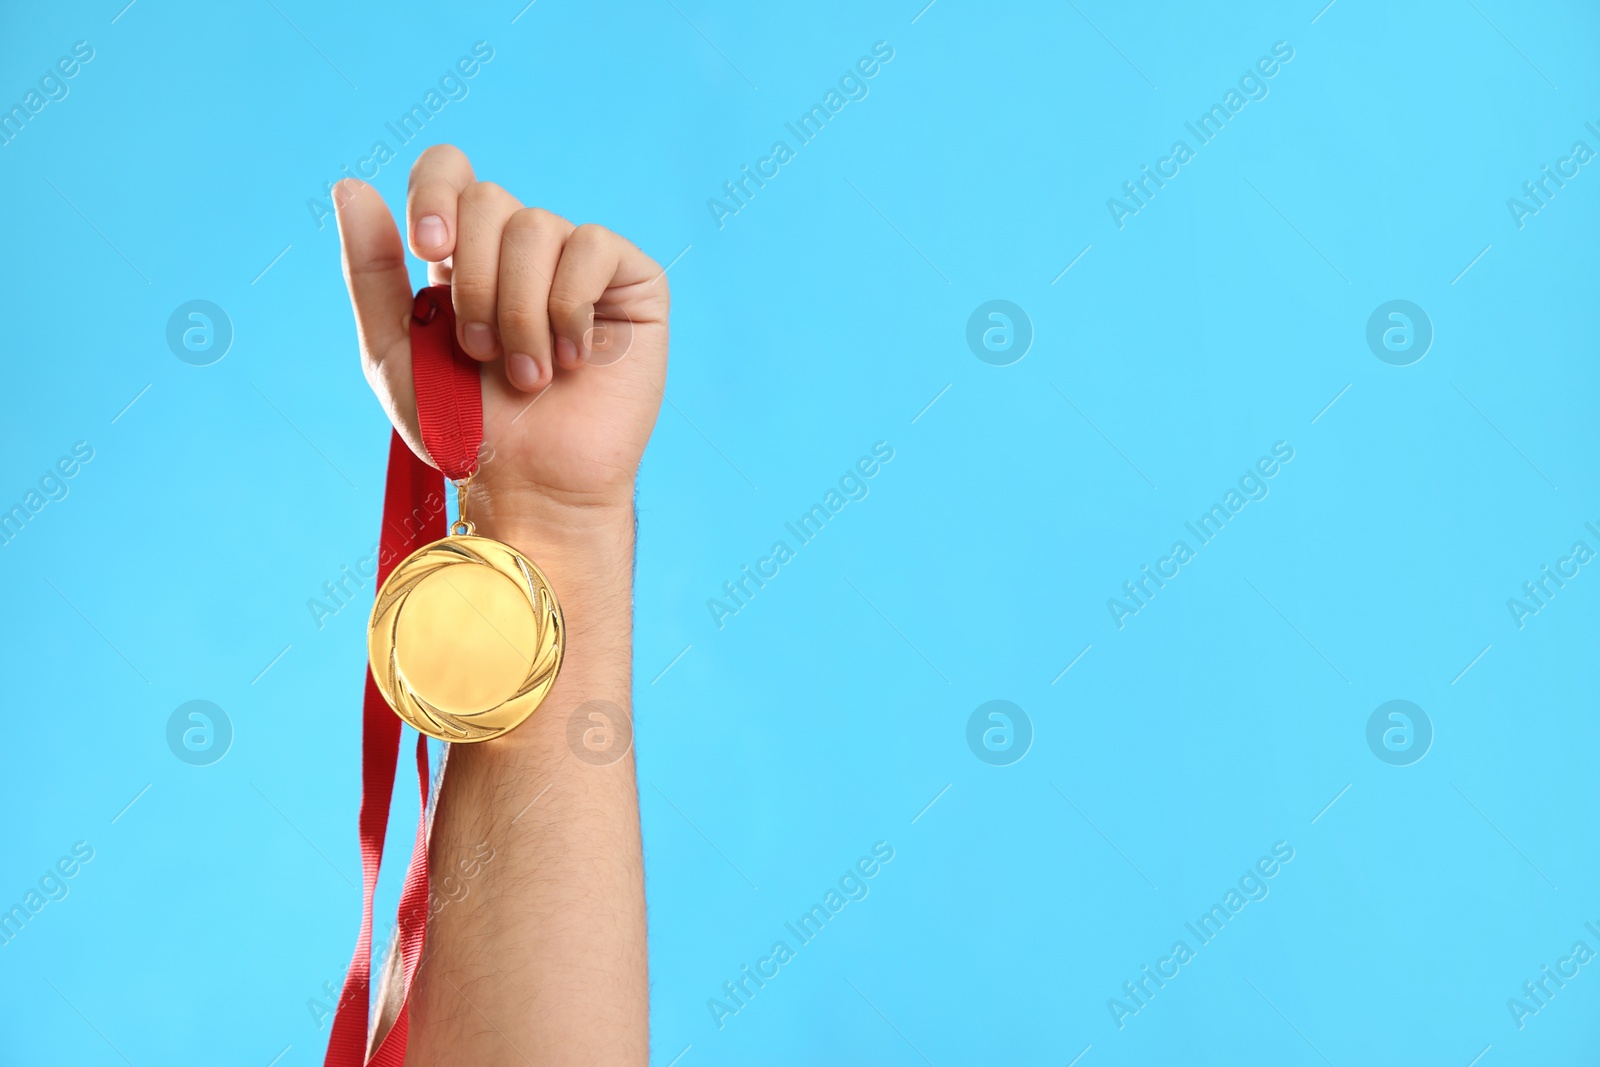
(465, 638)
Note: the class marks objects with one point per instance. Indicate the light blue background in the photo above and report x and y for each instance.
(824, 317)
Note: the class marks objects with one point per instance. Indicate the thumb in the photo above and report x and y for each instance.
(380, 293)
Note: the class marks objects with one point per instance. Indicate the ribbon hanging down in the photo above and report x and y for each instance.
(450, 413)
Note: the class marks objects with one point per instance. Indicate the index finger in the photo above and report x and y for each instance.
(438, 179)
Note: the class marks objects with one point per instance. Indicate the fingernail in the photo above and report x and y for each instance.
(566, 352)
(523, 370)
(478, 340)
(430, 231)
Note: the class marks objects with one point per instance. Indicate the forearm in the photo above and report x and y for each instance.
(541, 956)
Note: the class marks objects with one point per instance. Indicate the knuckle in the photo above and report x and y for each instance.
(520, 319)
(484, 193)
(473, 286)
(376, 263)
(590, 234)
(565, 306)
(533, 222)
(440, 153)
(435, 156)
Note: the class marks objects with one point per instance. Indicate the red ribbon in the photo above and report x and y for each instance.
(450, 412)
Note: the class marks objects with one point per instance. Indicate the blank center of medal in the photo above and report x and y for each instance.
(466, 638)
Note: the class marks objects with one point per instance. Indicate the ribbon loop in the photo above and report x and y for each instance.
(449, 396)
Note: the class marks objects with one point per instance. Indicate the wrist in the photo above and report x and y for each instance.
(587, 556)
(590, 538)
(585, 551)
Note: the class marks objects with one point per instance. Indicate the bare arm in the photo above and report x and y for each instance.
(536, 938)
(542, 959)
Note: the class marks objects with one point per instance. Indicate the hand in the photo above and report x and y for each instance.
(569, 321)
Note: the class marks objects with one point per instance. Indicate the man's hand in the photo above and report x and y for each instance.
(543, 960)
(569, 321)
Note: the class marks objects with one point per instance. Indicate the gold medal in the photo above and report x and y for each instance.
(465, 637)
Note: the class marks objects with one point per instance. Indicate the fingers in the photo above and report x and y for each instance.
(525, 281)
(439, 177)
(374, 270)
(484, 210)
(529, 252)
(594, 260)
